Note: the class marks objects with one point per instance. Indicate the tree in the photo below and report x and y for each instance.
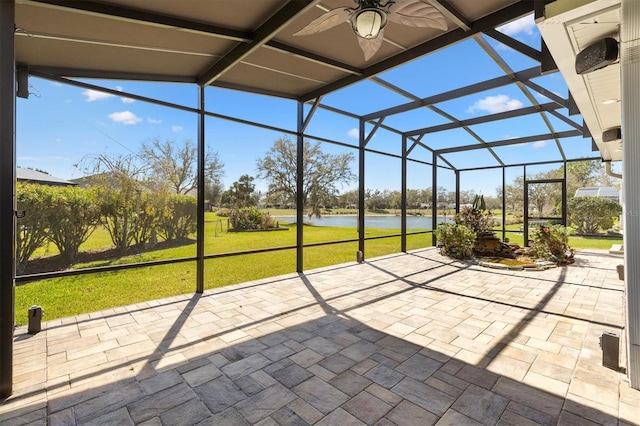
(395, 199)
(348, 199)
(213, 192)
(176, 165)
(322, 173)
(513, 194)
(277, 200)
(443, 197)
(241, 193)
(466, 197)
(118, 192)
(604, 179)
(376, 200)
(413, 198)
(539, 196)
(416, 198)
(590, 214)
(425, 196)
(581, 174)
(493, 203)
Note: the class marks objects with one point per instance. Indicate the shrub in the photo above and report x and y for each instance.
(179, 216)
(267, 221)
(246, 218)
(66, 216)
(117, 208)
(591, 214)
(250, 218)
(146, 217)
(457, 240)
(476, 217)
(73, 214)
(223, 212)
(551, 243)
(32, 228)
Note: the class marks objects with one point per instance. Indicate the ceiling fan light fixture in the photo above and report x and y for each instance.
(369, 18)
(368, 22)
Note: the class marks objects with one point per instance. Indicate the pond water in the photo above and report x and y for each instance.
(344, 221)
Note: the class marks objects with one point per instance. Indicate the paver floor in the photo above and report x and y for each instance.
(407, 339)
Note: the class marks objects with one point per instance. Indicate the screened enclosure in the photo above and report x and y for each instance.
(432, 119)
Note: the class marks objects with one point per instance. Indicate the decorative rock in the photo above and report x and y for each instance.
(487, 244)
(497, 266)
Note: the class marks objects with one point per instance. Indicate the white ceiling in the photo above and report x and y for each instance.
(243, 44)
(568, 27)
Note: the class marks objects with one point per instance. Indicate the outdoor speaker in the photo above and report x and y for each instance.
(597, 55)
(612, 134)
(610, 344)
(22, 79)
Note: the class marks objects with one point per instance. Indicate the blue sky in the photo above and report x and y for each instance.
(59, 125)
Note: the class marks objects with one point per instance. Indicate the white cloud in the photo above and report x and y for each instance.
(525, 25)
(176, 128)
(539, 144)
(94, 95)
(353, 133)
(125, 117)
(123, 99)
(495, 104)
(154, 121)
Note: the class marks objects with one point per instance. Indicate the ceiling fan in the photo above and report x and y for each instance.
(369, 18)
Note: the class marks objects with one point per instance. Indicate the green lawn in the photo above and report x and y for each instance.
(61, 297)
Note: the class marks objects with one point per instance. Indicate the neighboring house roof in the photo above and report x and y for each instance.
(32, 176)
(609, 192)
(107, 179)
(86, 181)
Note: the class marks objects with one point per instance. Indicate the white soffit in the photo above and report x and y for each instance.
(569, 26)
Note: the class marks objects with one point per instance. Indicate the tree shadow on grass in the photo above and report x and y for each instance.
(100, 257)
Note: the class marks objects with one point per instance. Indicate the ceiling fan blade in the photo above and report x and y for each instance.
(327, 20)
(370, 46)
(415, 13)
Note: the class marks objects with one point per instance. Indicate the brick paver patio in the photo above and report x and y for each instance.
(407, 339)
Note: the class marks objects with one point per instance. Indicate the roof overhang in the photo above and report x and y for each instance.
(254, 49)
(248, 46)
(568, 27)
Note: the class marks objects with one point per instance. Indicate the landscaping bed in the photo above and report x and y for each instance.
(518, 264)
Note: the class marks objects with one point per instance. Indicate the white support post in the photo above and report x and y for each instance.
(630, 79)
